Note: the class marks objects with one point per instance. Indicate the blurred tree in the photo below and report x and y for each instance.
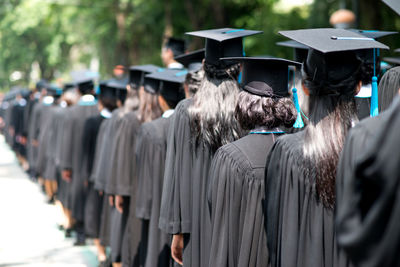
(59, 34)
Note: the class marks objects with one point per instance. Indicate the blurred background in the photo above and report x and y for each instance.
(50, 38)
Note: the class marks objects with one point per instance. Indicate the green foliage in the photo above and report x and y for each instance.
(62, 35)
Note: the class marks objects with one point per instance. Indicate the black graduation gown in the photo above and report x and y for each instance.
(368, 183)
(150, 154)
(300, 229)
(184, 207)
(33, 135)
(236, 198)
(122, 180)
(18, 124)
(50, 172)
(72, 155)
(44, 140)
(102, 170)
(62, 186)
(94, 201)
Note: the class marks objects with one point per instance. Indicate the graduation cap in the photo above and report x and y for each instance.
(137, 73)
(265, 76)
(332, 55)
(54, 91)
(85, 86)
(393, 4)
(268, 77)
(40, 85)
(176, 45)
(107, 91)
(300, 51)
(193, 61)
(119, 86)
(221, 43)
(68, 86)
(169, 84)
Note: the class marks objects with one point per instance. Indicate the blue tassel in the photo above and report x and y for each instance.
(374, 97)
(374, 94)
(299, 121)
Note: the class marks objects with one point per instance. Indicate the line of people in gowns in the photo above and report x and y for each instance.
(218, 159)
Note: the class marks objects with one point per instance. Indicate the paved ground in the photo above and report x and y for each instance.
(28, 226)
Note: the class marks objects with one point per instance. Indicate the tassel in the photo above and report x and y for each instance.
(299, 121)
(374, 97)
(374, 94)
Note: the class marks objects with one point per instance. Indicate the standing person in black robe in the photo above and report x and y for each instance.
(151, 147)
(301, 167)
(69, 98)
(71, 160)
(33, 133)
(45, 164)
(198, 128)
(358, 213)
(94, 200)
(236, 189)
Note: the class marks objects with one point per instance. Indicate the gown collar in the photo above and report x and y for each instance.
(168, 113)
(266, 130)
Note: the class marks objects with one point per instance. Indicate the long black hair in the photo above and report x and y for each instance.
(332, 112)
(253, 111)
(388, 88)
(212, 112)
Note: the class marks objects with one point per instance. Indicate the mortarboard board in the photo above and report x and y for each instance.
(137, 73)
(392, 60)
(393, 4)
(192, 60)
(331, 56)
(225, 42)
(176, 45)
(85, 86)
(300, 50)
(170, 84)
(373, 33)
(265, 76)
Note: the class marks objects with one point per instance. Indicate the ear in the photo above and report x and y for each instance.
(305, 89)
(358, 88)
